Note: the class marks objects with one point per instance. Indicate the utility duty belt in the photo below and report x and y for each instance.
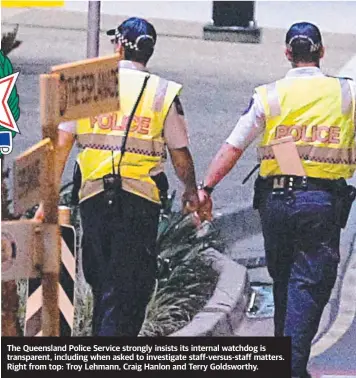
(284, 187)
(281, 183)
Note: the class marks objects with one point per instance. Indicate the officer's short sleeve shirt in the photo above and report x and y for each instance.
(252, 122)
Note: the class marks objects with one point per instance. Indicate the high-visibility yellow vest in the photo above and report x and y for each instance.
(319, 112)
(100, 138)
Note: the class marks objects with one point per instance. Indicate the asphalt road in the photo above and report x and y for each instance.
(218, 81)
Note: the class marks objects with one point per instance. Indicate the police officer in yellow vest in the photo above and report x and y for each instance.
(123, 184)
(301, 216)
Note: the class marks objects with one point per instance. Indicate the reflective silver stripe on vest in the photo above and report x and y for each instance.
(113, 143)
(317, 154)
(346, 96)
(160, 94)
(273, 100)
(90, 188)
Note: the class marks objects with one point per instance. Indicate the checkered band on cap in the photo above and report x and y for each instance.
(132, 46)
(313, 46)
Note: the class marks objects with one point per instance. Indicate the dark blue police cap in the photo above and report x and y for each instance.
(303, 36)
(135, 33)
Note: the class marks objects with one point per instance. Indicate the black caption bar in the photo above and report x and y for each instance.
(243, 357)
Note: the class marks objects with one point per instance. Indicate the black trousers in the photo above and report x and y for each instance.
(119, 260)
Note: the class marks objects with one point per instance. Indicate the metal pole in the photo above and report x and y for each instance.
(93, 29)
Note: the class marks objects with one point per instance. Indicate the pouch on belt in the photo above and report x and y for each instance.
(344, 197)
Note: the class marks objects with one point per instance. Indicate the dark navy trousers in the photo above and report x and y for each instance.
(302, 252)
(119, 260)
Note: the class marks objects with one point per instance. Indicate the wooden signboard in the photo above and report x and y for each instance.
(71, 91)
(26, 249)
(287, 156)
(88, 88)
(30, 173)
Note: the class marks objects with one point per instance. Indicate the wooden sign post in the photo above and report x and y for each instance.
(72, 91)
(49, 105)
(26, 248)
(30, 172)
(88, 88)
(76, 90)
(66, 285)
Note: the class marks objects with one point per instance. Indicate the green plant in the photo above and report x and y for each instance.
(180, 296)
(186, 278)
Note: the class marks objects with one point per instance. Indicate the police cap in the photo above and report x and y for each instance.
(135, 34)
(303, 37)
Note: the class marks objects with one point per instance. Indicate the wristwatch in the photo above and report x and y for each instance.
(207, 188)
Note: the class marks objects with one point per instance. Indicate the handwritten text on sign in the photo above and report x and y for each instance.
(88, 88)
(30, 173)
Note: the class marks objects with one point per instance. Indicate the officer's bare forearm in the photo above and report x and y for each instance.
(184, 167)
(222, 164)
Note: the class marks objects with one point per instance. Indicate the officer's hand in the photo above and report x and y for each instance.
(205, 211)
(190, 201)
(39, 215)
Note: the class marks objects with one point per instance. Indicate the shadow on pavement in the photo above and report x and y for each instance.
(240, 225)
(31, 66)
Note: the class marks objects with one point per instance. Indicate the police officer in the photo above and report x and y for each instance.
(120, 193)
(301, 220)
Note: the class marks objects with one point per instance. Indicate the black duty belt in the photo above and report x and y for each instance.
(296, 183)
